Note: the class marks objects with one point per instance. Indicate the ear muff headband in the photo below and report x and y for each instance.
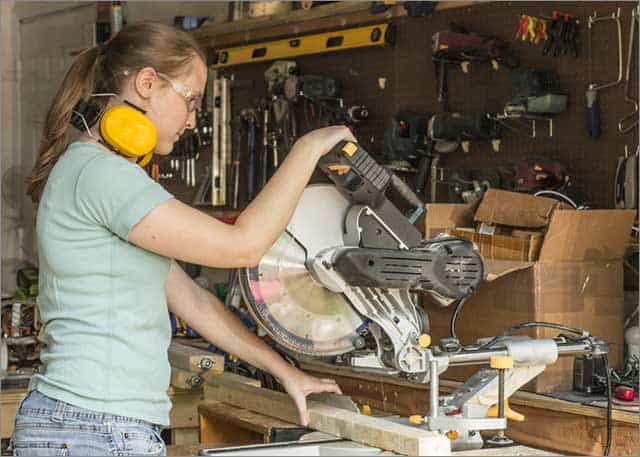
(128, 131)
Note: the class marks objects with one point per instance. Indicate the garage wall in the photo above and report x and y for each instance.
(410, 85)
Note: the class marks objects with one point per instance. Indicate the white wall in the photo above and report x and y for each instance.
(9, 141)
(36, 41)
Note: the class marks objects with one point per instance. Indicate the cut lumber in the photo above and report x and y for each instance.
(363, 429)
(207, 377)
(193, 359)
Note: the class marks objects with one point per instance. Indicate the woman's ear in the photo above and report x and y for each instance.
(145, 80)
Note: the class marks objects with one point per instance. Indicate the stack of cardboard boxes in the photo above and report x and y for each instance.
(543, 262)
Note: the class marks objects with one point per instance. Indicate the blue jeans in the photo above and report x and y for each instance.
(45, 426)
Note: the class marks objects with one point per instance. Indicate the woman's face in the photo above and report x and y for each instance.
(172, 105)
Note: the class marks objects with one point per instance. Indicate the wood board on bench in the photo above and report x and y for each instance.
(551, 423)
(375, 432)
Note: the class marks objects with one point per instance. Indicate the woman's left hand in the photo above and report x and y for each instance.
(299, 384)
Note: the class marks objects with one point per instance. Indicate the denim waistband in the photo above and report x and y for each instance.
(39, 404)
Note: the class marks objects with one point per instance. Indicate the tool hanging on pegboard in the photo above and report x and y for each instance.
(562, 35)
(593, 105)
(531, 29)
(221, 141)
(630, 121)
(461, 47)
(215, 141)
(626, 180)
(537, 97)
(378, 35)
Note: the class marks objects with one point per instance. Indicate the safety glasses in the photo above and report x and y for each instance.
(193, 101)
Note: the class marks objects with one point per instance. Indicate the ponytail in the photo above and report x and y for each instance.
(77, 84)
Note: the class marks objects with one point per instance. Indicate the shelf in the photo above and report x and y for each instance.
(297, 22)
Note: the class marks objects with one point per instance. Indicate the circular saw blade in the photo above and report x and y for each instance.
(295, 310)
(299, 313)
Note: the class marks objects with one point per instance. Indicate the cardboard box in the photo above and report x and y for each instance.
(516, 209)
(503, 247)
(577, 280)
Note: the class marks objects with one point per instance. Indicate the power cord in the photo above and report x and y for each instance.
(583, 333)
(607, 447)
(454, 317)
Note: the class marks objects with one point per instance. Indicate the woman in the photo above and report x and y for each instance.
(108, 237)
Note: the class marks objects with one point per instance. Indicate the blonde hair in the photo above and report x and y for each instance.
(103, 69)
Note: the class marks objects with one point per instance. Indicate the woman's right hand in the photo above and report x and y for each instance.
(321, 141)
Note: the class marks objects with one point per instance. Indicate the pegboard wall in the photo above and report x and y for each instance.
(410, 84)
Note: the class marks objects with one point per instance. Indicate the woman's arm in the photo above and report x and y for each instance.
(203, 312)
(178, 231)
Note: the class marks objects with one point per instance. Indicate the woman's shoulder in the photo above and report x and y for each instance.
(89, 150)
(87, 154)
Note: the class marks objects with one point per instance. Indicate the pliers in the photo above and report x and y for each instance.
(555, 37)
(541, 31)
(523, 28)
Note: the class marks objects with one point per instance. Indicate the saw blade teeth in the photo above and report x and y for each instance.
(294, 309)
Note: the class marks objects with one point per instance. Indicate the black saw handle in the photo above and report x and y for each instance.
(357, 174)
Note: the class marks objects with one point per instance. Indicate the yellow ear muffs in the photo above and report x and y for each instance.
(128, 131)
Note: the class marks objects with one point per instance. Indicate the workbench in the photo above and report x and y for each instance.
(549, 422)
(226, 426)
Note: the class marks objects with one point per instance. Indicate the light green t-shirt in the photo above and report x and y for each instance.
(102, 299)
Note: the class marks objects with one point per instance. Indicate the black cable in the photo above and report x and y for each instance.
(454, 317)
(607, 447)
(522, 325)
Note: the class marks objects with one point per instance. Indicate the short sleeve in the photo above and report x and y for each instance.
(116, 193)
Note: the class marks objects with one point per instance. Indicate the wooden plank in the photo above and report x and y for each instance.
(184, 412)
(183, 450)
(242, 418)
(227, 375)
(326, 17)
(185, 436)
(572, 433)
(193, 359)
(221, 431)
(346, 424)
(9, 401)
(550, 423)
(208, 35)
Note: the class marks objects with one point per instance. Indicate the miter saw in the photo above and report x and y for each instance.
(340, 284)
